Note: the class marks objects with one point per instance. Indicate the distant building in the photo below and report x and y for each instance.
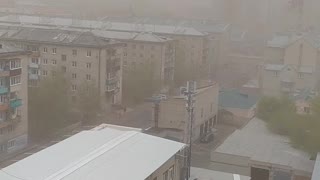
(291, 63)
(173, 114)
(13, 98)
(256, 152)
(81, 56)
(206, 174)
(106, 152)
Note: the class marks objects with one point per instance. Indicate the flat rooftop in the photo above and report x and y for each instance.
(256, 142)
(105, 152)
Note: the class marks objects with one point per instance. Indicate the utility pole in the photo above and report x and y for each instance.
(191, 89)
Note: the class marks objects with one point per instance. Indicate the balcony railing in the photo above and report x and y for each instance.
(111, 87)
(4, 90)
(35, 54)
(33, 76)
(3, 106)
(34, 65)
(15, 103)
(10, 121)
(4, 72)
(15, 72)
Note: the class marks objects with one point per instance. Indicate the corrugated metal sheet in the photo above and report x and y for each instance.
(105, 154)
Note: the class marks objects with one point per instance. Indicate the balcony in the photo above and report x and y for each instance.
(35, 54)
(4, 107)
(11, 121)
(4, 72)
(34, 65)
(33, 76)
(15, 103)
(3, 90)
(15, 72)
(111, 87)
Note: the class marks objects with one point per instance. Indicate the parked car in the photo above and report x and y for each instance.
(209, 137)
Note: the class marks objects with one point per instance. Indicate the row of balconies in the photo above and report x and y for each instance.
(15, 103)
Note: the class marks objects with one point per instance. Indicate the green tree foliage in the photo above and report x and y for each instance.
(140, 83)
(281, 117)
(48, 105)
(88, 101)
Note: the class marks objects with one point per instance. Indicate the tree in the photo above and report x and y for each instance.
(140, 83)
(88, 101)
(48, 105)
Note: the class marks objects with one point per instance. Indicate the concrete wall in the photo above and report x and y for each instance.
(173, 113)
(274, 55)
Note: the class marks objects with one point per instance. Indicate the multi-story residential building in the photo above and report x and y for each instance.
(105, 152)
(190, 43)
(81, 56)
(173, 113)
(13, 99)
(144, 48)
(292, 63)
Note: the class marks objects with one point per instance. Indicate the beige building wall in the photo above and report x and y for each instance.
(274, 55)
(292, 53)
(175, 163)
(14, 130)
(162, 54)
(173, 113)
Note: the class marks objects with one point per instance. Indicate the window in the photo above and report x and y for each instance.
(64, 69)
(89, 53)
(2, 146)
(300, 75)
(45, 61)
(54, 50)
(74, 87)
(44, 73)
(166, 175)
(35, 60)
(10, 143)
(45, 50)
(3, 99)
(2, 81)
(74, 64)
(275, 73)
(171, 173)
(15, 64)
(15, 80)
(88, 77)
(10, 128)
(74, 52)
(88, 65)
(34, 49)
(63, 57)
(74, 76)
(54, 62)
(34, 71)
(306, 110)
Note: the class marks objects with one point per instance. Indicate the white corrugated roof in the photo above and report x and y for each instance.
(256, 142)
(316, 171)
(109, 153)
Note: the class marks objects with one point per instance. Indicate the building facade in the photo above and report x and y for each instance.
(143, 48)
(81, 56)
(13, 99)
(173, 113)
(292, 63)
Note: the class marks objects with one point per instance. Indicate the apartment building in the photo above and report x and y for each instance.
(291, 64)
(141, 48)
(191, 44)
(13, 99)
(105, 152)
(173, 113)
(81, 56)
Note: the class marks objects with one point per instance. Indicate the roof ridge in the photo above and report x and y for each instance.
(91, 156)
